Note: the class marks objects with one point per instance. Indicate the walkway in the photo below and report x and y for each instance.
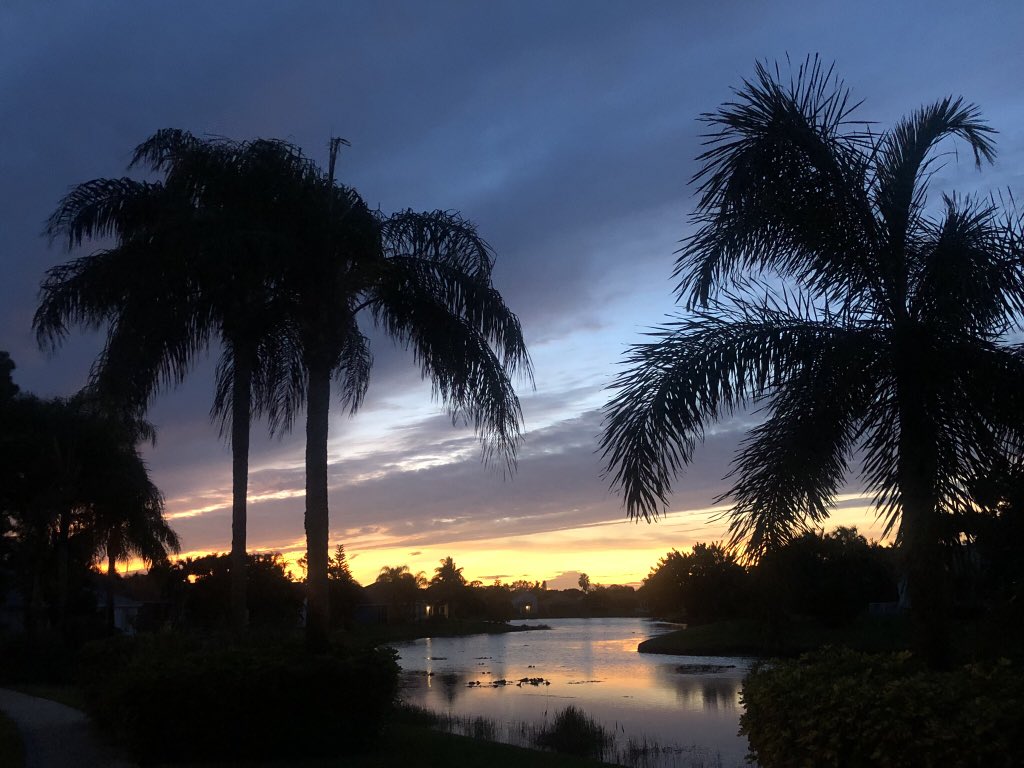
(55, 735)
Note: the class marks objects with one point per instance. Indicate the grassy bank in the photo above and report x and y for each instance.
(410, 746)
(12, 753)
(872, 634)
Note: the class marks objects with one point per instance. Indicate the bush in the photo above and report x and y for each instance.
(574, 733)
(840, 707)
(178, 699)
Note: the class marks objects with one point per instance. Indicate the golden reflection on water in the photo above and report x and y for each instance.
(595, 667)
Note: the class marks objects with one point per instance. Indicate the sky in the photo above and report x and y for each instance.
(567, 131)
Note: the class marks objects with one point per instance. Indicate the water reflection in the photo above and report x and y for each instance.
(594, 665)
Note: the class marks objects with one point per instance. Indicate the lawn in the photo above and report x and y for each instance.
(412, 746)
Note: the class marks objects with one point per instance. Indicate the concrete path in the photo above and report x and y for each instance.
(55, 735)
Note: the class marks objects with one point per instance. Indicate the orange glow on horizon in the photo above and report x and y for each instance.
(609, 551)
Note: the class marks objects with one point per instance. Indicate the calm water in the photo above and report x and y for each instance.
(592, 663)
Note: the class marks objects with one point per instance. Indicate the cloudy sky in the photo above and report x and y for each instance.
(566, 130)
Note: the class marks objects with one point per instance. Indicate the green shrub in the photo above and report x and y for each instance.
(178, 699)
(843, 708)
(573, 732)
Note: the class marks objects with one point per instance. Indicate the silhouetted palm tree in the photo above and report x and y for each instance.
(259, 226)
(448, 574)
(888, 341)
(192, 258)
(425, 280)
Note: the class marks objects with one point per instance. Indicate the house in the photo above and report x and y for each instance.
(525, 605)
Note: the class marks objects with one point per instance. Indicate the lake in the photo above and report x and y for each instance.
(685, 718)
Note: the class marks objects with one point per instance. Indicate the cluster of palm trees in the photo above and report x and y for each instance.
(819, 285)
(866, 324)
(250, 244)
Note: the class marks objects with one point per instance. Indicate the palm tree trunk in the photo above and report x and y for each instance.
(111, 573)
(317, 516)
(62, 574)
(241, 414)
(920, 536)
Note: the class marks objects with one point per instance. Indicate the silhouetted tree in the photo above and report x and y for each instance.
(423, 278)
(346, 593)
(401, 587)
(75, 488)
(705, 584)
(889, 338)
(193, 257)
(584, 582)
(8, 389)
(829, 576)
(203, 585)
(448, 574)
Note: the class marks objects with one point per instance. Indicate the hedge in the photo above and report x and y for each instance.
(173, 700)
(842, 708)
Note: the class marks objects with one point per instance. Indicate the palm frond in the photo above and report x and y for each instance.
(468, 377)
(106, 208)
(781, 188)
(905, 160)
(415, 278)
(698, 370)
(353, 371)
(970, 275)
(791, 466)
(439, 237)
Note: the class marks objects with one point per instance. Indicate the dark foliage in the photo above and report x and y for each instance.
(706, 584)
(197, 591)
(171, 698)
(829, 577)
(842, 708)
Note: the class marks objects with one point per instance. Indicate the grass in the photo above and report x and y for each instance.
(417, 746)
(573, 732)
(873, 634)
(12, 751)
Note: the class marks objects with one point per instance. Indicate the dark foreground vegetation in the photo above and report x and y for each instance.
(11, 749)
(838, 707)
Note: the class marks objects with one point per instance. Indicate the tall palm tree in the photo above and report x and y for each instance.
(191, 260)
(887, 341)
(425, 280)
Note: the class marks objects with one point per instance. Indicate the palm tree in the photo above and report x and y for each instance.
(425, 280)
(448, 574)
(887, 340)
(252, 241)
(192, 259)
(401, 588)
